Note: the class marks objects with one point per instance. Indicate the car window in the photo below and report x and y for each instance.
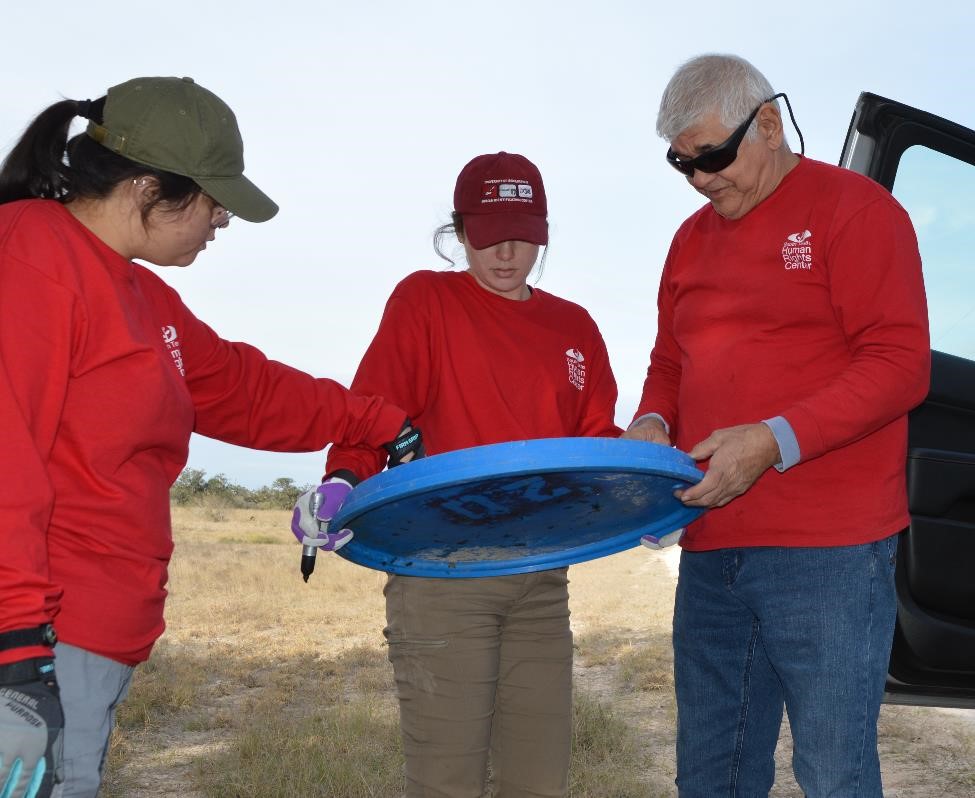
(938, 192)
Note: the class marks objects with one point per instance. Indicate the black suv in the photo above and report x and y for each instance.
(927, 163)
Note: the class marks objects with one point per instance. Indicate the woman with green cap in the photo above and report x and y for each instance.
(104, 373)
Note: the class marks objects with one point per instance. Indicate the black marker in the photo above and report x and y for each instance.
(308, 553)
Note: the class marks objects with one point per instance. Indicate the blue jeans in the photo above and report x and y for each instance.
(759, 629)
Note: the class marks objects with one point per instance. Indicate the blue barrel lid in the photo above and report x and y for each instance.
(516, 507)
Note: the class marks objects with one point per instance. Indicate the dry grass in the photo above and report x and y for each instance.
(607, 758)
(328, 732)
(265, 686)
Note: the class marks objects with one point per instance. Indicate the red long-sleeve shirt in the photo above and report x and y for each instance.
(810, 307)
(104, 373)
(471, 368)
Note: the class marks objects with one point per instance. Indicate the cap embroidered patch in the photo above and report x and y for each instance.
(509, 189)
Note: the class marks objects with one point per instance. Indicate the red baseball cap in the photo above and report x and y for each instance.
(501, 198)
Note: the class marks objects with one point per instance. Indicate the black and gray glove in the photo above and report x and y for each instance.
(405, 447)
(31, 729)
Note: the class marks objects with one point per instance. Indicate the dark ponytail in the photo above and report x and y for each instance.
(44, 164)
(35, 166)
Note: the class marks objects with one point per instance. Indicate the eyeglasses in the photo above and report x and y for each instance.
(221, 218)
(722, 156)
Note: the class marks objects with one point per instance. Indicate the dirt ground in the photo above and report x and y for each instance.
(621, 607)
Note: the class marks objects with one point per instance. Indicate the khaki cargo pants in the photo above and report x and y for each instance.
(483, 665)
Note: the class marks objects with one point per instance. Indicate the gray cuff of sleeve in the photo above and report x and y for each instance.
(785, 437)
(657, 416)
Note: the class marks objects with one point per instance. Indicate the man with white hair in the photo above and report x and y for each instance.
(792, 341)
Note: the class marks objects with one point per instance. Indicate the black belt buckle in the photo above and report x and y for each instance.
(49, 635)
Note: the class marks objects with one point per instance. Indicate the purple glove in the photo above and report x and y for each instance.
(654, 542)
(314, 511)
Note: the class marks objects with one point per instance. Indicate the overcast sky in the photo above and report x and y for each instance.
(356, 118)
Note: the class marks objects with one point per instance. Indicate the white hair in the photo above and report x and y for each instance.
(725, 85)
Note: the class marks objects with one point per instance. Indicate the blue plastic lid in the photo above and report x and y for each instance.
(516, 507)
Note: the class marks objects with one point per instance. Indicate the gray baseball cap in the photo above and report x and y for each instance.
(176, 125)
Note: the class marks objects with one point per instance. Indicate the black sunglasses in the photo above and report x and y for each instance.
(722, 156)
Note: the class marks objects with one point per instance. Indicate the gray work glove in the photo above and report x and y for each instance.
(31, 729)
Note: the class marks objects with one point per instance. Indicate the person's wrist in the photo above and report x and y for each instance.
(646, 417)
(42, 635)
(345, 475)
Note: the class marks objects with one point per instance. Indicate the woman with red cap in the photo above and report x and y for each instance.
(104, 373)
(485, 664)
